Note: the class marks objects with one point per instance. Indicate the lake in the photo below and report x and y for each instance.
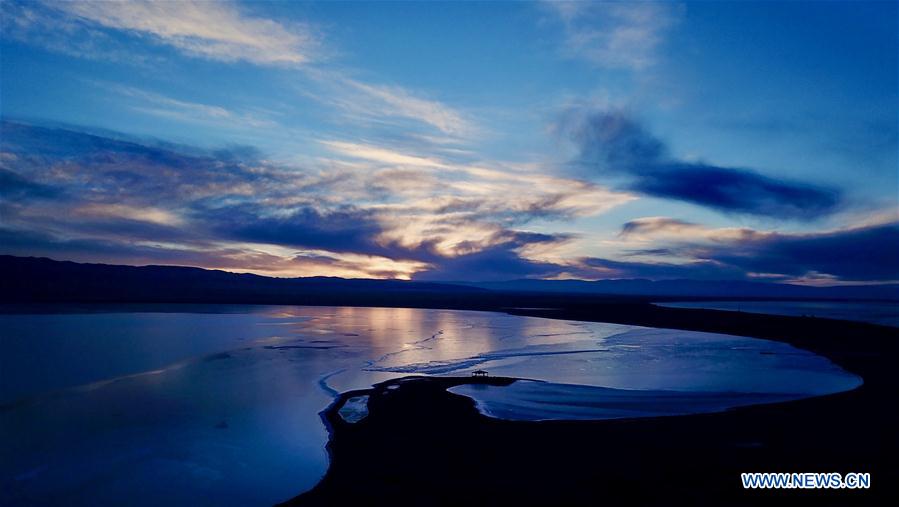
(885, 313)
(218, 405)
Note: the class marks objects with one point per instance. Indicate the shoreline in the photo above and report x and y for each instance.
(421, 444)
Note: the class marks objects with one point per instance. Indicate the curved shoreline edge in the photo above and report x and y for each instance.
(689, 459)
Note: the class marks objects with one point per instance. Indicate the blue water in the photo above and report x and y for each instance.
(175, 405)
(885, 313)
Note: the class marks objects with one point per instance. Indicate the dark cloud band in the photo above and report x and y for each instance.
(613, 143)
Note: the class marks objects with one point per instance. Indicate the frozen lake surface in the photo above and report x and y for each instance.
(885, 313)
(218, 405)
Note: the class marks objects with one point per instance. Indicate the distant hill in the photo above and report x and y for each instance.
(38, 280)
(32, 279)
(679, 289)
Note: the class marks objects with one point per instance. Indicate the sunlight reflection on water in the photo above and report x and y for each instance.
(226, 411)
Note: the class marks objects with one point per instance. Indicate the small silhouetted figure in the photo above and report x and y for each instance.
(479, 373)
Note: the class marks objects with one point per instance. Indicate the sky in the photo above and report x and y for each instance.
(456, 141)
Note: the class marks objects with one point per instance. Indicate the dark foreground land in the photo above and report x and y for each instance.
(421, 445)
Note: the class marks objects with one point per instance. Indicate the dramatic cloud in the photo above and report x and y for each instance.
(186, 111)
(613, 144)
(859, 254)
(212, 30)
(243, 257)
(371, 211)
(696, 270)
(396, 101)
(651, 225)
(655, 228)
(344, 229)
(501, 261)
(14, 187)
(615, 34)
(375, 212)
(380, 106)
(386, 156)
(221, 31)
